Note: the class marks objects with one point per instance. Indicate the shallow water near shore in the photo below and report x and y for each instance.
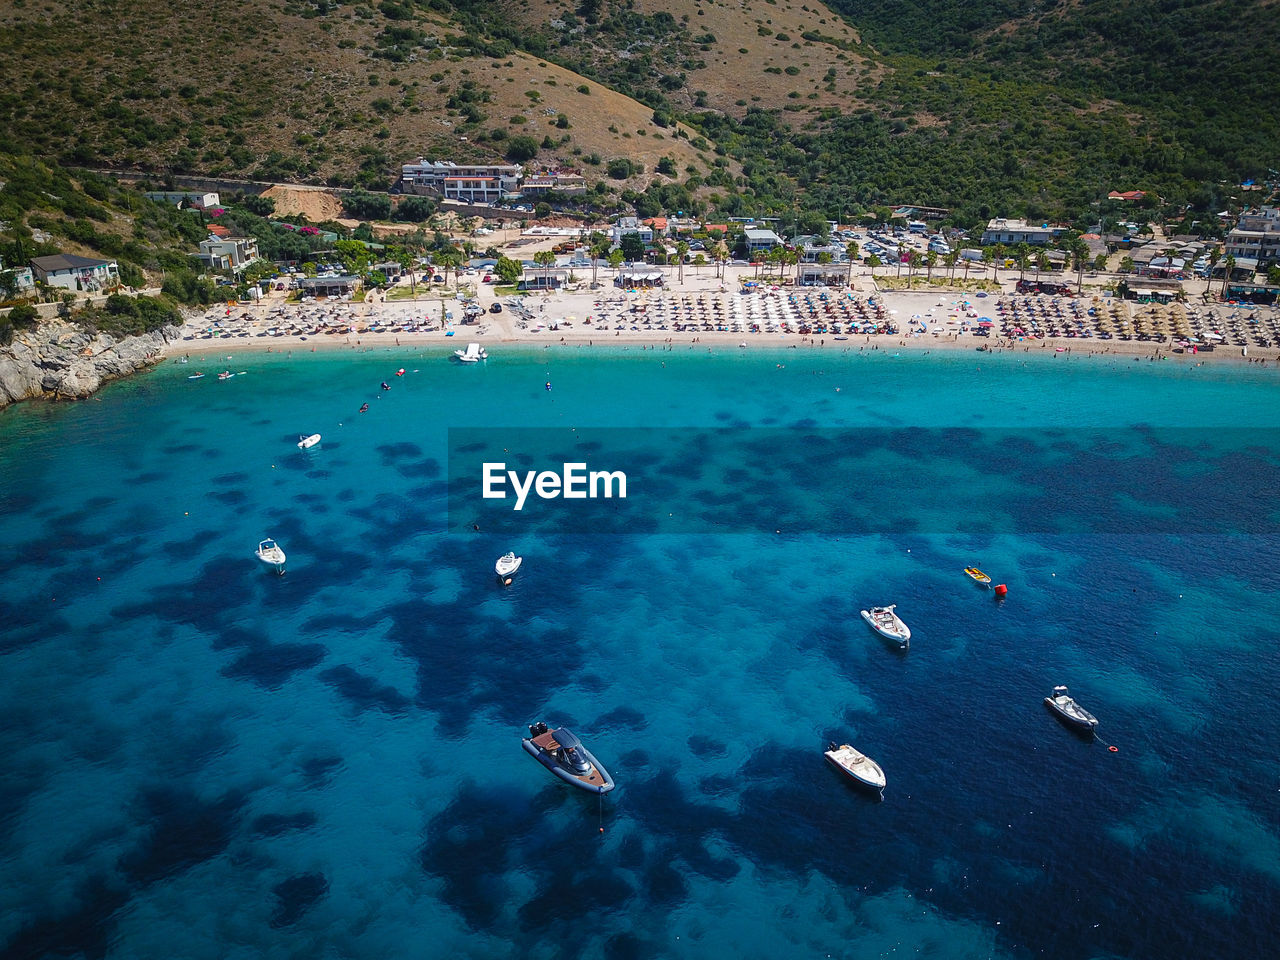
(207, 760)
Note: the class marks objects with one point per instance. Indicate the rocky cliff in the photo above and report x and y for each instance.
(60, 361)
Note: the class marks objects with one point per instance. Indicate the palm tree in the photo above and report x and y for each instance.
(1228, 265)
(851, 251)
(545, 259)
(999, 253)
(682, 250)
(615, 260)
(930, 261)
(950, 260)
(1214, 256)
(914, 259)
(599, 250)
(720, 253)
(406, 260)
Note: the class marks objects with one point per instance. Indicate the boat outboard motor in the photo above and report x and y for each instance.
(537, 729)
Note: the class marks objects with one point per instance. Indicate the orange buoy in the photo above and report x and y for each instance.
(1114, 749)
(1001, 590)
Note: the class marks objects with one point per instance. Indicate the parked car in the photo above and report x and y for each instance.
(488, 278)
(437, 279)
(496, 308)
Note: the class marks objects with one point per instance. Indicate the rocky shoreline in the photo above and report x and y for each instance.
(61, 361)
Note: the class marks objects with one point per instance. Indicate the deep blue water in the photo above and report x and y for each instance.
(201, 759)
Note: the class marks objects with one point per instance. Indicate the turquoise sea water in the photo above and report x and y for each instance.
(201, 759)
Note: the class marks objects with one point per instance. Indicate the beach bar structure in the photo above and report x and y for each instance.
(536, 277)
(337, 286)
(638, 275)
(822, 274)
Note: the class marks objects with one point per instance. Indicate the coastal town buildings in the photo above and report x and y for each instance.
(186, 199)
(228, 253)
(75, 273)
(470, 183)
(1256, 236)
(1001, 230)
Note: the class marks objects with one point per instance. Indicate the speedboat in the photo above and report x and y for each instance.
(507, 566)
(565, 756)
(858, 767)
(269, 552)
(977, 576)
(1070, 712)
(888, 624)
(473, 353)
(306, 443)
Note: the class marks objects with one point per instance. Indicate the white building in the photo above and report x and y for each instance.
(761, 239)
(1256, 236)
(1005, 231)
(185, 198)
(626, 225)
(474, 183)
(23, 278)
(70, 272)
(228, 253)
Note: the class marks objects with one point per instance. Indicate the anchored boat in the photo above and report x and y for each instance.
(564, 755)
(270, 553)
(857, 766)
(888, 624)
(1070, 712)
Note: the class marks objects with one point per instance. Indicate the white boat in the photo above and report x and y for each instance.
(269, 552)
(306, 443)
(1070, 712)
(857, 766)
(473, 353)
(507, 566)
(888, 624)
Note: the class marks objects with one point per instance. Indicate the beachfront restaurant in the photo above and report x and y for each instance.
(638, 275)
(1151, 290)
(537, 277)
(822, 274)
(336, 286)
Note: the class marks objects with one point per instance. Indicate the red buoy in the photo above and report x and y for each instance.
(1001, 589)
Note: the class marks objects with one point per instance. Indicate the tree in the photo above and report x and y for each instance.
(873, 261)
(720, 253)
(599, 250)
(541, 210)
(509, 270)
(1126, 264)
(851, 251)
(1022, 253)
(632, 247)
(950, 260)
(930, 261)
(259, 205)
(682, 251)
(1228, 266)
(1100, 262)
(407, 264)
(545, 259)
(914, 259)
(615, 261)
(23, 315)
(521, 149)
(8, 284)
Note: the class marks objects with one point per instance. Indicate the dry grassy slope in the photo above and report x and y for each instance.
(302, 87)
(734, 80)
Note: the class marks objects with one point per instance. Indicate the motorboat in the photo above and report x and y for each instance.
(1070, 712)
(507, 566)
(888, 624)
(564, 755)
(857, 766)
(977, 576)
(473, 353)
(306, 443)
(270, 553)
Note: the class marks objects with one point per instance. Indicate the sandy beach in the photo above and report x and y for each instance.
(707, 312)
